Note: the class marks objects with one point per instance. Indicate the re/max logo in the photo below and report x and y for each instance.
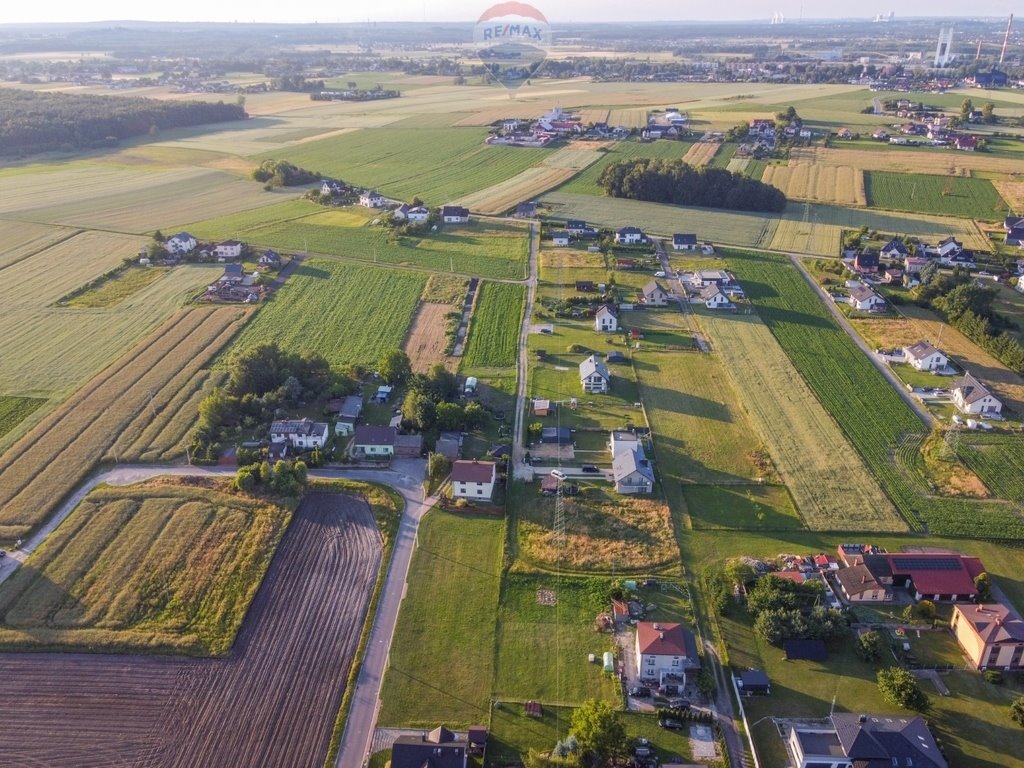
(513, 30)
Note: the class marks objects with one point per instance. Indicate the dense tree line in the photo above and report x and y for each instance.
(676, 182)
(281, 173)
(783, 610)
(32, 121)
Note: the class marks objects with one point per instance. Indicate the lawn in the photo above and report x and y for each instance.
(945, 196)
(162, 567)
(14, 410)
(334, 309)
(448, 614)
(755, 507)
(493, 336)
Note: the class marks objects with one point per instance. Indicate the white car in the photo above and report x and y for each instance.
(558, 474)
(659, 273)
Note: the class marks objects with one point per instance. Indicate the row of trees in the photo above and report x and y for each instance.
(284, 478)
(678, 183)
(281, 173)
(784, 610)
(43, 121)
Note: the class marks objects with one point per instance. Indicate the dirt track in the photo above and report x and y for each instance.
(271, 702)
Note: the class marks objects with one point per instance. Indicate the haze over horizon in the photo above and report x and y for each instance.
(469, 10)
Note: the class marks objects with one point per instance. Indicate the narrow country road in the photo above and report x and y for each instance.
(519, 470)
(723, 707)
(919, 409)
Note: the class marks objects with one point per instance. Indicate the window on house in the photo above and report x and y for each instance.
(480, 491)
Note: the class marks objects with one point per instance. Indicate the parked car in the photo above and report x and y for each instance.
(590, 469)
(546, 330)
(639, 692)
(558, 473)
(659, 273)
(670, 723)
(679, 703)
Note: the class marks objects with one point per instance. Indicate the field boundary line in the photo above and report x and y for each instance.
(75, 233)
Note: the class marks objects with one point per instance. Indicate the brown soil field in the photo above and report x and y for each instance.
(271, 702)
(701, 153)
(1012, 192)
(425, 344)
(935, 161)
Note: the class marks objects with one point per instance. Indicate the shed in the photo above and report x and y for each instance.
(534, 709)
(541, 407)
(753, 682)
(559, 435)
(805, 650)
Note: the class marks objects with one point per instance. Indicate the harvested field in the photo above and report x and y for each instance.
(1012, 192)
(22, 239)
(37, 473)
(427, 342)
(738, 164)
(939, 163)
(271, 702)
(821, 184)
(496, 114)
(702, 153)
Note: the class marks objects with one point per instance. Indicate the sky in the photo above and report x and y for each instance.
(468, 10)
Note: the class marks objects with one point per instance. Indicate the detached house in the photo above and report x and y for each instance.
(991, 634)
(412, 213)
(228, 249)
(270, 259)
(848, 740)
(895, 250)
(621, 441)
(632, 472)
(560, 238)
(180, 243)
(630, 236)
(706, 277)
(949, 247)
(454, 214)
(684, 242)
(866, 261)
(605, 319)
(304, 433)
(713, 297)
(863, 299)
(594, 375)
(370, 199)
(972, 397)
(924, 357)
(653, 295)
(474, 479)
(375, 441)
(437, 749)
(664, 649)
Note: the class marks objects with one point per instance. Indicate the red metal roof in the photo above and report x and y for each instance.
(938, 573)
(662, 639)
(473, 471)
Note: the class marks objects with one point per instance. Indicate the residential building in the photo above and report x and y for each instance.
(621, 440)
(560, 238)
(233, 273)
(606, 320)
(594, 375)
(713, 297)
(937, 576)
(575, 226)
(949, 247)
(848, 740)
(302, 433)
(972, 397)
(408, 446)
(632, 472)
(895, 250)
(924, 357)
(228, 249)
(866, 262)
(377, 442)
(705, 277)
(753, 682)
(991, 634)
(684, 242)
(438, 749)
(454, 214)
(859, 585)
(371, 199)
(863, 299)
(474, 479)
(415, 214)
(180, 244)
(270, 259)
(630, 236)
(527, 210)
(653, 294)
(664, 649)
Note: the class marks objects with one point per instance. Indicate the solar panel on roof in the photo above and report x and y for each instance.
(929, 563)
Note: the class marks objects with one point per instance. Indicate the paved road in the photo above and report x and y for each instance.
(919, 409)
(520, 470)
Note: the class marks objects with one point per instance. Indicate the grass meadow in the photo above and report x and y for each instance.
(14, 410)
(158, 568)
(493, 339)
(447, 615)
(752, 507)
(943, 196)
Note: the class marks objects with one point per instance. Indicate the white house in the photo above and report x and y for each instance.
(684, 242)
(594, 375)
(621, 441)
(228, 249)
(299, 434)
(924, 357)
(415, 214)
(654, 295)
(577, 227)
(713, 297)
(895, 250)
(454, 214)
(474, 479)
(864, 299)
(180, 243)
(949, 247)
(632, 472)
(971, 396)
(630, 236)
(705, 277)
(375, 441)
(270, 259)
(606, 320)
(664, 649)
(370, 199)
(560, 238)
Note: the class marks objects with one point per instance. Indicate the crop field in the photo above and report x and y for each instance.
(701, 153)
(832, 488)
(445, 289)
(820, 184)
(493, 336)
(542, 648)
(334, 309)
(605, 532)
(272, 701)
(919, 161)
(157, 567)
(998, 461)
(455, 573)
(14, 410)
(437, 165)
(23, 239)
(1010, 191)
(37, 472)
(112, 292)
(949, 196)
(875, 419)
(585, 182)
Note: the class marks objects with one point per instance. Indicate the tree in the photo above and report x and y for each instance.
(871, 646)
(988, 115)
(419, 411)
(394, 367)
(984, 587)
(246, 479)
(966, 107)
(449, 416)
(599, 732)
(926, 610)
(1017, 711)
(438, 466)
(474, 415)
(899, 687)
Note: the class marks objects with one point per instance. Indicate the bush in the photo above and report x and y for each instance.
(993, 676)
(899, 687)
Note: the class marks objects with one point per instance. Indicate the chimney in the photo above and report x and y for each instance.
(661, 635)
(862, 719)
(863, 579)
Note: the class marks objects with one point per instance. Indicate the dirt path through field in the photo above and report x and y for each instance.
(426, 342)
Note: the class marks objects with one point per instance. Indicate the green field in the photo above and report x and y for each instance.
(435, 164)
(335, 309)
(14, 410)
(998, 461)
(943, 195)
(875, 419)
(160, 567)
(494, 331)
(447, 614)
(755, 507)
(112, 291)
(585, 183)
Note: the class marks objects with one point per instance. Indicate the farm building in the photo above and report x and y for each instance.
(408, 446)
(594, 375)
(653, 295)
(526, 210)
(713, 297)
(684, 242)
(560, 238)
(605, 319)
(848, 739)
(991, 634)
(615, 357)
(924, 357)
(630, 236)
(863, 299)
(375, 441)
(412, 213)
(542, 408)
(557, 435)
(632, 472)
(474, 479)
(299, 434)
(664, 649)
(180, 243)
(454, 214)
(449, 445)
(437, 749)
(753, 682)
(940, 576)
(971, 396)
(371, 199)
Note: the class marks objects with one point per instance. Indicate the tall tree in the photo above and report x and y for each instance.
(394, 367)
(599, 732)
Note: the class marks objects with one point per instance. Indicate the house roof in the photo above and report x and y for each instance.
(862, 293)
(454, 210)
(351, 407)
(623, 231)
(889, 740)
(371, 435)
(950, 241)
(299, 427)
(970, 389)
(181, 236)
(651, 286)
(437, 749)
(672, 639)
(684, 239)
(576, 224)
(921, 350)
(1013, 222)
(754, 678)
(604, 309)
(592, 365)
(857, 579)
(808, 650)
(233, 270)
(710, 291)
(937, 573)
(993, 623)
(473, 471)
(560, 234)
(794, 576)
(714, 275)
(629, 462)
(371, 193)
(409, 441)
(895, 245)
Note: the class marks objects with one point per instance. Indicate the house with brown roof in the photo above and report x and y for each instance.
(859, 585)
(991, 634)
(474, 479)
(863, 299)
(664, 649)
(973, 397)
(653, 294)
